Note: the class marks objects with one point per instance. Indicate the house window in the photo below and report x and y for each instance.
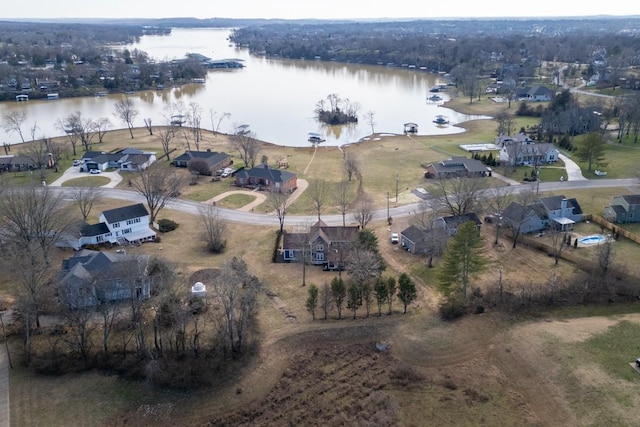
(133, 221)
(99, 239)
(288, 254)
(116, 225)
(319, 256)
(126, 230)
(319, 247)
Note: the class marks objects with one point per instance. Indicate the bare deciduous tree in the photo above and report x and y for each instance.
(85, 198)
(497, 200)
(148, 125)
(165, 135)
(215, 228)
(363, 211)
(343, 197)
(280, 203)
(459, 195)
(236, 290)
(157, 184)
(38, 153)
(13, 121)
(194, 120)
(78, 130)
(318, 191)
(215, 126)
(34, 215)
(101, 126)
(247, 147)
(125, 111)
(351, 166)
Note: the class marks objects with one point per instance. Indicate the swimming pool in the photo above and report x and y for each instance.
(594, 239)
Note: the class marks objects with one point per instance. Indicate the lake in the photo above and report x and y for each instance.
(275, 97)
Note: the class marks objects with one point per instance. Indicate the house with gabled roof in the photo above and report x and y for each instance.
(265, 177)
(414, 239)
(215, 160)
(555, 212)
(623, 209)
(325, 245)
(451, 223)
(129, 159)
(90, 278)
(520, 149)
(125, 225)
(537, 93)
(458, 166)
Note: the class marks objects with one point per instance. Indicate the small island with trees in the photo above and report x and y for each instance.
(339, 111)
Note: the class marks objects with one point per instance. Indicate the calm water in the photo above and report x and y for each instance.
(276, 98)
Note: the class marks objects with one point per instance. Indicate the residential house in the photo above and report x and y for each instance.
(215, 160)
(125, 225)
(623, 209)
(458, 166)
(520, 150)
(90, 278)
(556, 212)
(414, 239)
(537, 93)
(263, 176)
(324, 244)
(129, 159)
(451, 223)
(16, 163)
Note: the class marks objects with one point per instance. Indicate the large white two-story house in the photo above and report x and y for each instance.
(128, 224)
(520, 150)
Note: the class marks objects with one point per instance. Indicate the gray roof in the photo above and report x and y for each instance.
(460, 163)
(211, 157)
(414, 234)
(457, 220)
(124, 213)
(266, 173)
(632, 199)
(88, 230)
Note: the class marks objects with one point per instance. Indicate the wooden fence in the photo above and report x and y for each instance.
(615, 229)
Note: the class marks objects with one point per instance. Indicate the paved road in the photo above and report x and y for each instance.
(574, 173)
(380, 214)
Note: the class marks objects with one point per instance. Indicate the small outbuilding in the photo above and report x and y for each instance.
(410, 128)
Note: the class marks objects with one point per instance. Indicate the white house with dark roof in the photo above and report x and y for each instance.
(125, 225)
(520, 149)
(129, 159)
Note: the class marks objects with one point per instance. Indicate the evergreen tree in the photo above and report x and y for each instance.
(312, 301)
(354, 297)
(406, 290)
(391, 291)
(462, 260)
(339, 292)
(380, 293)
(591, 149)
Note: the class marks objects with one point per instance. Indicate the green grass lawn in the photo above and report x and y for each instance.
(87, 181)
(235, 201)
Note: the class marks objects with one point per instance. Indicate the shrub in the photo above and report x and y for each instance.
(452, 309)
(199, 166)
(166, 225)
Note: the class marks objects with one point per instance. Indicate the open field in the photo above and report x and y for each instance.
(561, 368)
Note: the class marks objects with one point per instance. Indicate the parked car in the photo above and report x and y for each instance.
(330, 266)
(77, 163)
(94, 171)
(394, 238)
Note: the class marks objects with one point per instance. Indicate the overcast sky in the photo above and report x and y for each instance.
(321, 9)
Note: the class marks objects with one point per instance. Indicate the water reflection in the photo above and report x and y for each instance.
(276, 97)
